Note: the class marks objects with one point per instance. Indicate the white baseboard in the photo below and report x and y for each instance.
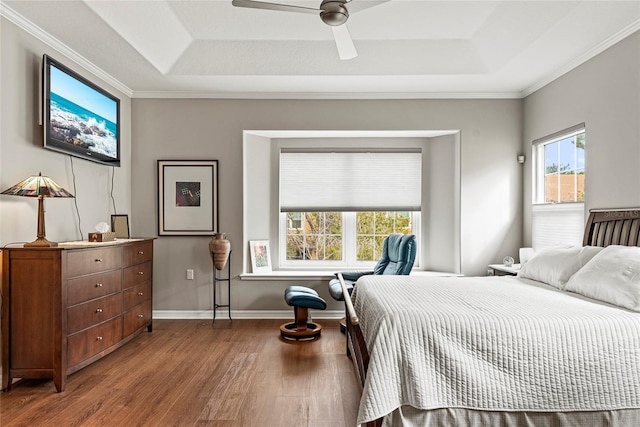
(242, 314)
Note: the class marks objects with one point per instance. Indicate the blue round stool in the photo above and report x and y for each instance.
(302, 299)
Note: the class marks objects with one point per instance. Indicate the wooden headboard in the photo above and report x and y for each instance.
(612, 227)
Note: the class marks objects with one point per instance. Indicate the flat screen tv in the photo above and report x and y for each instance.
(80, 118)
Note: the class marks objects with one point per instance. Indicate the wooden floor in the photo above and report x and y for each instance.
(188, 373)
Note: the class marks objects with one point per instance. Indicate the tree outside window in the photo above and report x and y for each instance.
(320, 235)
(373, 227)
(314, 236)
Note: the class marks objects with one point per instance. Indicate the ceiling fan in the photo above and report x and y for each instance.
(332, 12)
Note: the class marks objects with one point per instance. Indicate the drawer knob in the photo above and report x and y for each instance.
(140, 252)
(140, 293)
(98, 259)
(99, 338)
(141, 272)
(98, 285)
(98, 310)
(140, 316)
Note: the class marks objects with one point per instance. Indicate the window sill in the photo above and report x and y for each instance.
(322, 275)
(289, 275)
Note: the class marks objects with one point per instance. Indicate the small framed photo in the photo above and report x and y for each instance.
(187, 197)
(120, 226)
(260, 256)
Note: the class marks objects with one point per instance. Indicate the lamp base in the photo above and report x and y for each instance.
(40, 242)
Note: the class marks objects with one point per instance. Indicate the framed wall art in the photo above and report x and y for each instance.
(187, 197)
(260, 257)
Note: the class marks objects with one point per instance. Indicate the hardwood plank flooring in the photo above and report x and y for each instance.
(189, 373)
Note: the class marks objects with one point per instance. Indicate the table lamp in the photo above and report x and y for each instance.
(40, 187)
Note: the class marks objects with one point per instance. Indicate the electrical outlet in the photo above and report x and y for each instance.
(189, 274)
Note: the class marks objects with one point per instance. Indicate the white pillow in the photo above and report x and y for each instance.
(612, 276)
(554, 266)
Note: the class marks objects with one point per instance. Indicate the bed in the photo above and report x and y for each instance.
(557, 345)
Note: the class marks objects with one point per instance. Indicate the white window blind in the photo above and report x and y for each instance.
(350, 181)
(557, 224)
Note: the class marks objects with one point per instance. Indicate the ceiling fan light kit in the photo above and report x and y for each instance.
(332, 12)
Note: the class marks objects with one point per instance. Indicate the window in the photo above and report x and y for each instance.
(351, 238)
(563, 169)
(336, 208)
(314, 236)
(559, 192)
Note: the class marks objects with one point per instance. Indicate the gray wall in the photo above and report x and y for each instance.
(22, 155)
(604, 93)
(491, 179)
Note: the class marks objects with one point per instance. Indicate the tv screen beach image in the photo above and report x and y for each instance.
(82, 116)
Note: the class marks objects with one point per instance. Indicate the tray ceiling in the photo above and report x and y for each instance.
(407, 49)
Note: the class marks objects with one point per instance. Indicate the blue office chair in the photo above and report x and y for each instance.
(398, 256)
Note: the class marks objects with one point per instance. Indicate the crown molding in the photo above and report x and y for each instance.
(327, 95)
(48, 39)
(576, 62)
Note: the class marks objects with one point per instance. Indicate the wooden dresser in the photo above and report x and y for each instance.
(66, 307)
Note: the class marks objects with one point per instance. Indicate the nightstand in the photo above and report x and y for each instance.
(503, 270)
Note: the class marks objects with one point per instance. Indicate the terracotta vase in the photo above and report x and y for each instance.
(219, 248)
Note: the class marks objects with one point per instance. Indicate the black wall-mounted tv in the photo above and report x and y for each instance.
(80, 118)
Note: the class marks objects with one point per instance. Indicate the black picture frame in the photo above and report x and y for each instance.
(187, 197)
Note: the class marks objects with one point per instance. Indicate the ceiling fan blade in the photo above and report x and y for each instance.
(274, 6)
(358, 5)
(344, 43)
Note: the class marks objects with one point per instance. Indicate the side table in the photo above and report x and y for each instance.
(503, 270)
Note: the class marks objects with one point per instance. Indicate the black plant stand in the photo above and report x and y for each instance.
(217, 280)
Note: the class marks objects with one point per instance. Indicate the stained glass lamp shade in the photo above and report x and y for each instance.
(40, 187)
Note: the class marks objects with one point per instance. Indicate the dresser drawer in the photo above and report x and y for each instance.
(136, 274)
(137, 317)
(137, 253)
(93, 286)
(137, 294)
(90, 313)
(92, 341)
(89, 261)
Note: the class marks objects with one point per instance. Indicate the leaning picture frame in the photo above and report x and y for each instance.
(260, 256)
(187, 197)
(120, 226)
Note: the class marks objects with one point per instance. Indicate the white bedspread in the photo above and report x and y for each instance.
(493, 343)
